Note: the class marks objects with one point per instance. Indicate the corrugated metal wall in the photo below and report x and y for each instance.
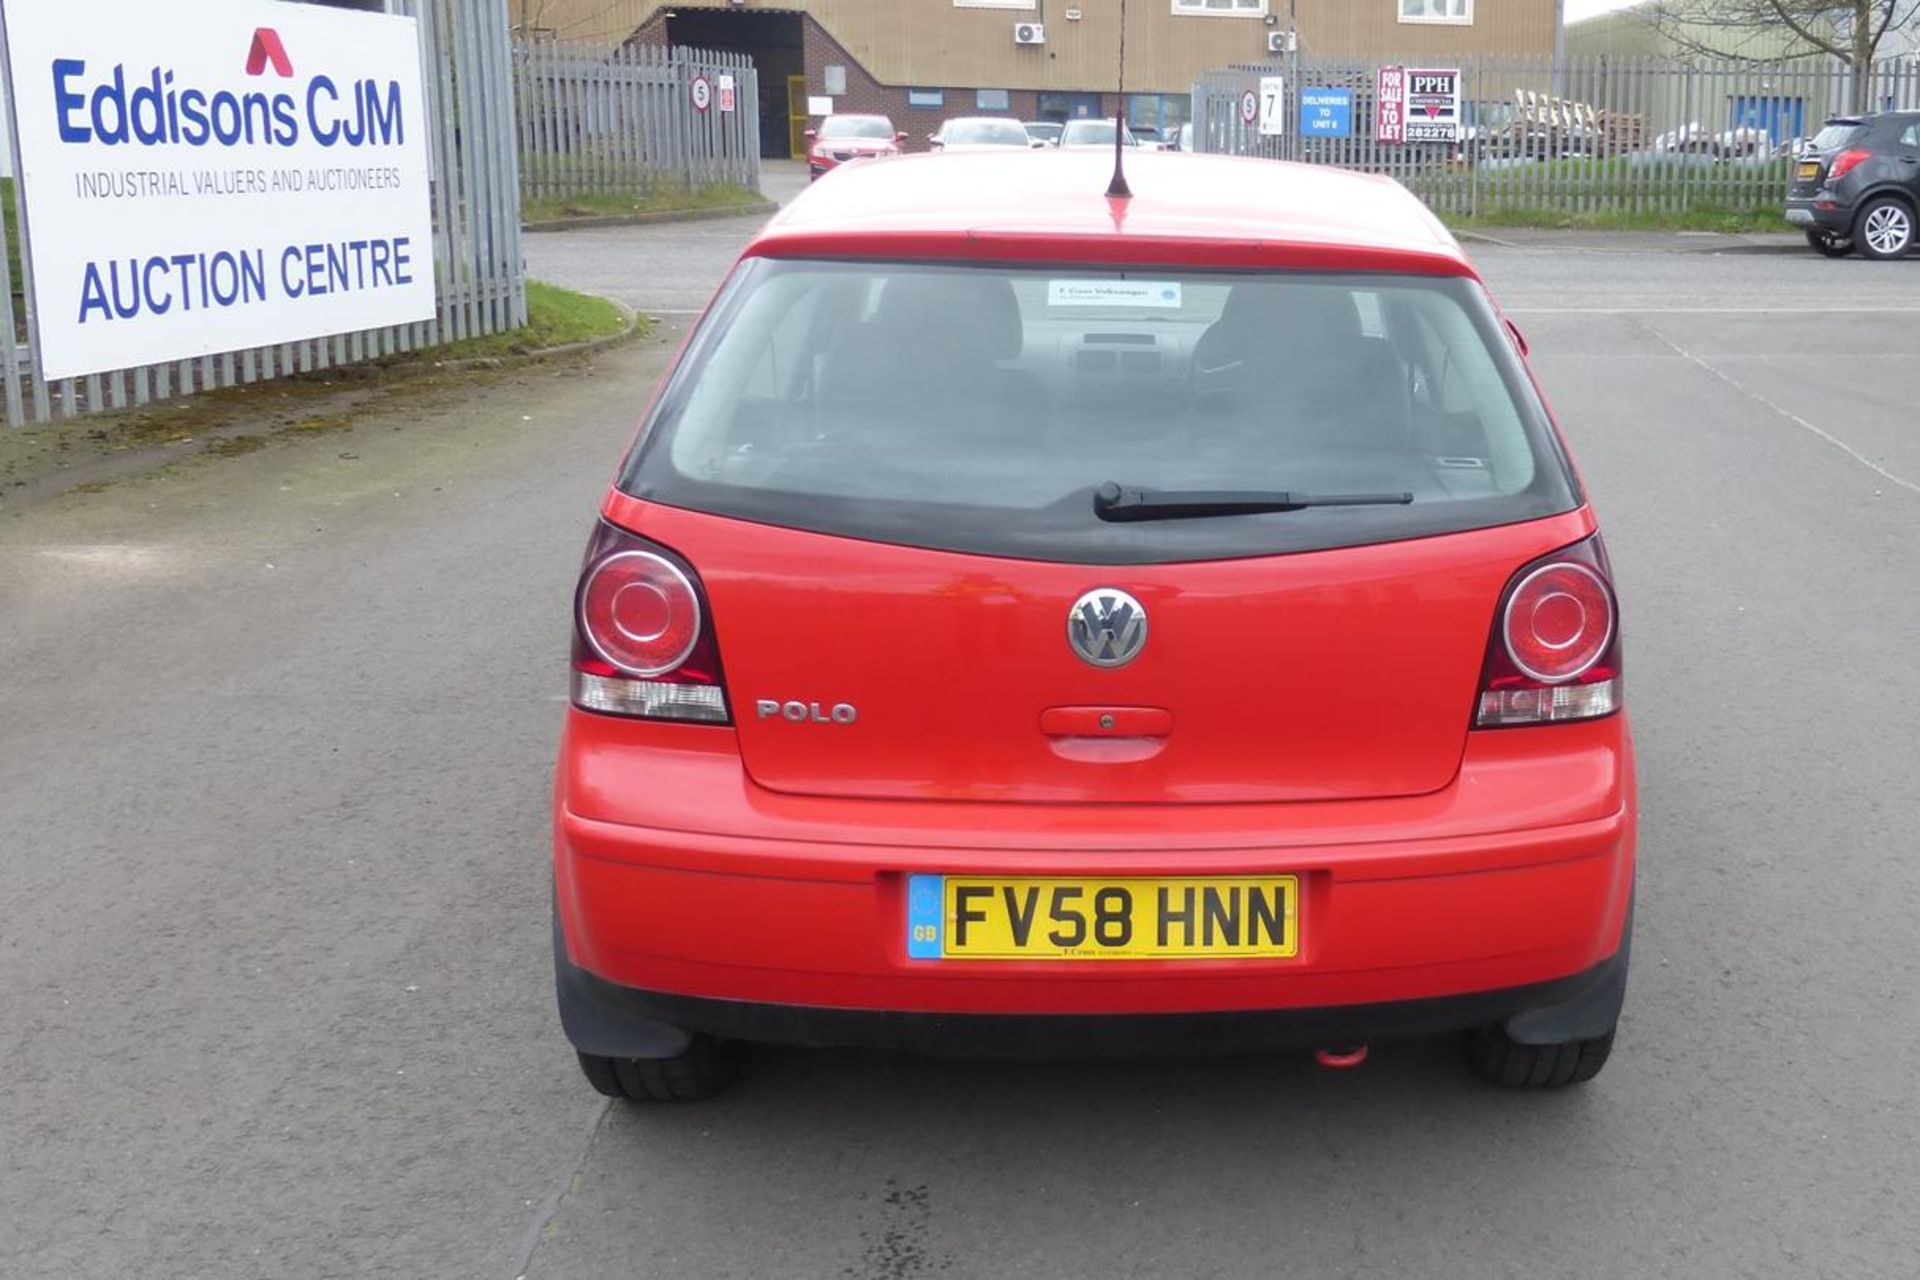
(936, 42)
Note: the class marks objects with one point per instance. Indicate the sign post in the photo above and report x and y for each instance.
(256, 175)
(702, 90)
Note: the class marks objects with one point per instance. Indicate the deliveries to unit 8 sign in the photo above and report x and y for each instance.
(252, 174)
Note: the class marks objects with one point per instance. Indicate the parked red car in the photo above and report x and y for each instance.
(843, 138)
(1035, 622)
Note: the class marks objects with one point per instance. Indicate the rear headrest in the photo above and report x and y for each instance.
(1319, 315)
(949, 310)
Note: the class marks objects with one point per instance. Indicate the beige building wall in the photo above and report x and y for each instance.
(939, 42)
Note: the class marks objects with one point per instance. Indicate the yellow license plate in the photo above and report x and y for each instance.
(1174, 918)
(1809, 169)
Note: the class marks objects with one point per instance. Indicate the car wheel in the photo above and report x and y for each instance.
(1829, 244)
(1504, 1061)
(702, 1069)
(1885, 228)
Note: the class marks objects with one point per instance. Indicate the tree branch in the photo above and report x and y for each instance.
(1689, 24)
(1798, 28)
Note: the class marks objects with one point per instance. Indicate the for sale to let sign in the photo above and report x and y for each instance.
(1390, 105)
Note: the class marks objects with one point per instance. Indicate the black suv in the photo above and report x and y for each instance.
(1858, 186)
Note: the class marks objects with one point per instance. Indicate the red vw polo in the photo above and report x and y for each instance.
(1036, 621)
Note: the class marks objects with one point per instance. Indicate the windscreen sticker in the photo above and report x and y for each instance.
(1113, 293)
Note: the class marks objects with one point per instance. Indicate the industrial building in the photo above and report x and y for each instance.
(921, 61)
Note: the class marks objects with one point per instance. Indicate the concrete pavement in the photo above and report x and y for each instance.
(274, 762)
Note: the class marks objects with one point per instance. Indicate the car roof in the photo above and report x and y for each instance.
(1187, 209)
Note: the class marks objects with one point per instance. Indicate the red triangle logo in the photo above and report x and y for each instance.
(268, 49)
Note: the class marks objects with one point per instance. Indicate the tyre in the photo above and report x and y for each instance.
(703, 1069)
(1503, 1061)
(1884, 228)
(1829, 244)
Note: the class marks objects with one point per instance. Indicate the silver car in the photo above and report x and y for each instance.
(982, 133)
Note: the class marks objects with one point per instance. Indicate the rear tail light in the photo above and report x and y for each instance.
(1846, 162)
(1555, 650)
(642, 634)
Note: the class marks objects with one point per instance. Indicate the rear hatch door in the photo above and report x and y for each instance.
(1330, 675)
(885, 473)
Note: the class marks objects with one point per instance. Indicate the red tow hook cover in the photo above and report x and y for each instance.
(1342, 1058)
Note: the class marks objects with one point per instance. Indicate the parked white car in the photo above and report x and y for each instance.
(982, 133)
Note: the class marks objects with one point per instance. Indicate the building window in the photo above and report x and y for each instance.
(992, 100)
(926, 97)
(1070, 106)
(1223, 8)
(1457, 11)
(1164, 113)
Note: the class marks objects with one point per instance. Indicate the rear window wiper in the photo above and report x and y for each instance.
(1114, 502)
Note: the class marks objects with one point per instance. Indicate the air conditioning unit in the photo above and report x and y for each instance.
(1280, 41)
(1029, 33)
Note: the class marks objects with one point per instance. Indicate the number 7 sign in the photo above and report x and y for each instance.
(1273, 106)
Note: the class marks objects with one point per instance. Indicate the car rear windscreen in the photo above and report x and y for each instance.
(979, 408)
(1835, 136)
(985, 133)
(839, 128)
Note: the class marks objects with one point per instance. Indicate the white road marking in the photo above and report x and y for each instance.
(1786, 413)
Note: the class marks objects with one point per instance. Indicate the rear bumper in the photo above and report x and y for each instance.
(776, 917)
(1820, 214)
(622, 1022)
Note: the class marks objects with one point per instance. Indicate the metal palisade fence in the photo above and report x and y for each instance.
(480, 278)
(1538, 136)
(630, 120)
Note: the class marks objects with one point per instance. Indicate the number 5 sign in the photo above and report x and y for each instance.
(1273, 106)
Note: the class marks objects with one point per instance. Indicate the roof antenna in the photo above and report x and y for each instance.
(1118, 188)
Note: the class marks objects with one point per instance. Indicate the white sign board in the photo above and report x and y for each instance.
(817, 106)
(248, 174)
(1249, 107)
(1273, 106)
(1433, 104)
(726, 92)
(702, 90)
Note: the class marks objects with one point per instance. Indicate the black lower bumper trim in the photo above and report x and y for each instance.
(1838, 221)
(648, 1018)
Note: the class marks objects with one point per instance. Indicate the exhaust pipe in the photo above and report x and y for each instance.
(1344, 1057)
